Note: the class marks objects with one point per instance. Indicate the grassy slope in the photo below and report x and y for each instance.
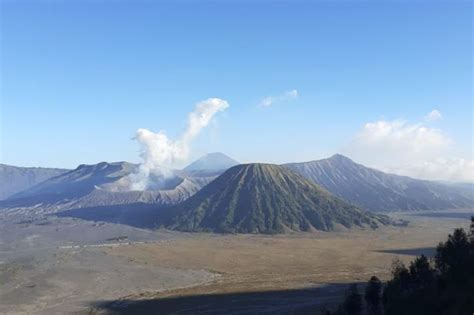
(264, 198)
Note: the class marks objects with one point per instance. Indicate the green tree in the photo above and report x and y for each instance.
(353, 303)
(455, 261)
(373, 292)
(410, 290)
(445, 287)
(471, 230)
(394, 292)
(450, 256)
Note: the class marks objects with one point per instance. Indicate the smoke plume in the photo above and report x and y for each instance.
(159, 152)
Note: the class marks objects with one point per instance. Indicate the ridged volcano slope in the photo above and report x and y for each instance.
(14, 179)
(265, 198)
(377, 191)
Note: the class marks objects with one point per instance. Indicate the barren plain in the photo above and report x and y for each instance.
(60, 265)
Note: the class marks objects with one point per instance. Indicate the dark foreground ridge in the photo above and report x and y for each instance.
(300, 301)
(136, 214)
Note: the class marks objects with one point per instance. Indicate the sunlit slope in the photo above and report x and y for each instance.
(378, 191)
(265, 198)
(103, 184)
(14, 179)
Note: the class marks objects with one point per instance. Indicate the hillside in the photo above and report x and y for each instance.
(80, 181)
(377, 191)
(14, 179)
(264, 198)
(102, 184)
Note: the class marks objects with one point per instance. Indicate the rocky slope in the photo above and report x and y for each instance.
(378, 191)
(102, 184)
(14, 179)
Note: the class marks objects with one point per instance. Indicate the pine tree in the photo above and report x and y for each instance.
(373, 293)
(353, 303)
(471, 232)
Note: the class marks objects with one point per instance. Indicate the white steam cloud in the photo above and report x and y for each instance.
(159, 152)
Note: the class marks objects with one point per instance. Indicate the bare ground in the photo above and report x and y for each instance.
(260, 262)
(38, 276)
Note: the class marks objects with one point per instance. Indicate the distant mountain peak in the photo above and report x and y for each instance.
(340, 158)
(216, 154)
(212, 161)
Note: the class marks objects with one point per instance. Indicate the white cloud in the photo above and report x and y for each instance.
(159, 152)
(411, 149)
(271, 100)
(454, 169)
(433, 115)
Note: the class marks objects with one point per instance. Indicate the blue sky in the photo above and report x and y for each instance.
(79, 78)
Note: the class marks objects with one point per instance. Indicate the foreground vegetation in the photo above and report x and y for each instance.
(441, 285)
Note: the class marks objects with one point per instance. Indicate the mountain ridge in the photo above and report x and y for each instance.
(378, 191)
(101, 184)
(15, 179)
(104, 184)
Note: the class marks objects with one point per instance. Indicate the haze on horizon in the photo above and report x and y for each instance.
(77, 83)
